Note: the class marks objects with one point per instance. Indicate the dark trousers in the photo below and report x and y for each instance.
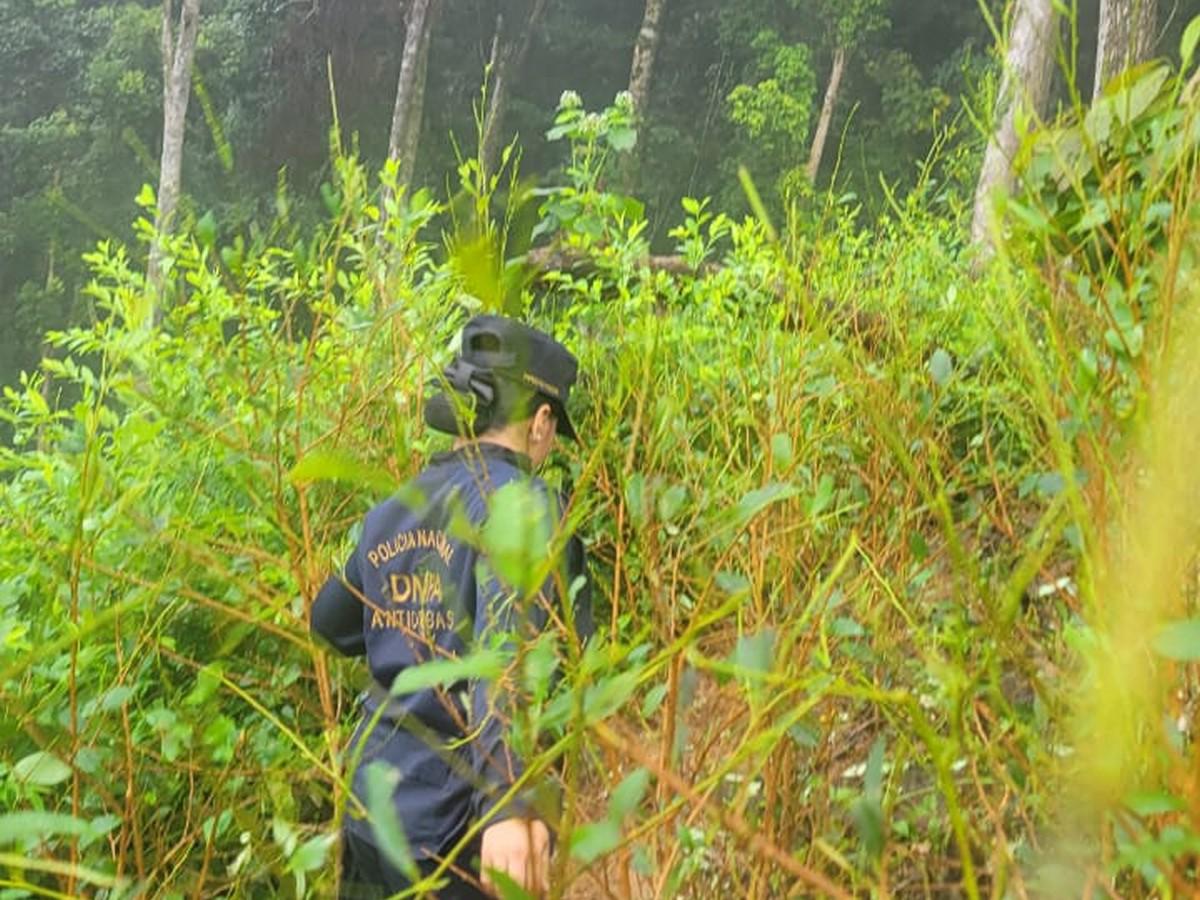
(367, 875)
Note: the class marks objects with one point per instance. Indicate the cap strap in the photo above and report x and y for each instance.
(466, 377)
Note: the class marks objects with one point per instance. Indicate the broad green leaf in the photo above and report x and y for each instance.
(115, 697)
(622, 139)
(1154, 804)
(208, 680)
(756, 501)
(516, 535)
(868, 821)
(335, 465)
(822, 498)
(671, 501)
(873, 780)
(20, 826)
(754, 652)
(591, 841)
(220, 735)
(540, 664)
(206, 229)
(1179, 641)
(484, 664)
(508, 888)
(381, 781)
(781, 450)
(628, 794)
(732, 583)
(805, 735)
(603, 699)
(635, 498)
(1187, 44)
(41, 769)
(311, 854)
(941, 367)
(1141, 87)
(868, 809)
(654, 699)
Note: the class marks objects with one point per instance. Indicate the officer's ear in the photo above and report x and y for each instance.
(544, 423)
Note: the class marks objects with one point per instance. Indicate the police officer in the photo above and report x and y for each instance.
(415, 590)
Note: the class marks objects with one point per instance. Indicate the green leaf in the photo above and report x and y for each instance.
(756, 501)
(508, 888)
(311, 854)
(1179, 641)
(603, 699)
(1187, 44)
(805, 735)
(334, 465)
(868, 820)
(732, 583)
(873, 780)
(941, 367)
(484, 665)
(540, 664)
(220, 735)
(1154, 804)
(591, 841)
(516, 535)
(754, 652)
(206, 229)
(115, 697)
(654, 699)
(781, 450)
(671, 501)
(381, 781)
(635, 498)
(822, 498)
(628, 794)
(622, 138)
(208, 679)
(868, 809)
(16, 827)
(41, 769)
(1140, 87)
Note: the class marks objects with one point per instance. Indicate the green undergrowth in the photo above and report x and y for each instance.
(854, 503)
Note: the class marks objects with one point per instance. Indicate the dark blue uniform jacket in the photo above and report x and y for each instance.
(412, 591)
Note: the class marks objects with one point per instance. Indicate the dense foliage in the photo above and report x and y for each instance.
(893, 551)
(81, 119)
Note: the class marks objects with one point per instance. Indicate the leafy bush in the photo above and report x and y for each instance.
(850, 564)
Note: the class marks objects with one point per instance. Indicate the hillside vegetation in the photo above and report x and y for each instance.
(892, 545)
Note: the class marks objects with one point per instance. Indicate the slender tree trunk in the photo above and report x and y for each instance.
(644, 52)
(178, 50)
(1126, 37)
(641, 75)
(840, 57)
(508, 57)
(410, 88)
(1025, 85)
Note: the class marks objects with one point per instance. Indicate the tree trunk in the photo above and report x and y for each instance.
(840, 56)
(1126, 37)
(508, 57)
(178, 50)
(410, 89)
(1025, 84)
(641, 72)
(644, 52)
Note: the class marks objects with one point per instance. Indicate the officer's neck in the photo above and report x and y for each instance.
(510, 438)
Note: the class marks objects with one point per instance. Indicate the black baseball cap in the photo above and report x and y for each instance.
(499, 346)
